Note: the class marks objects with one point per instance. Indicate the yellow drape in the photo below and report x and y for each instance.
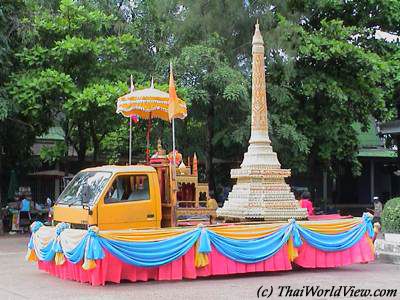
(292, 250)
(200, 259)
(332, 226)
(371, 244)
(89, 264)
(59, 258)
(31, 255)
(243, 232)
(143, 235)
(240, 232)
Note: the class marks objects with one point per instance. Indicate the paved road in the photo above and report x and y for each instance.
(22, 280)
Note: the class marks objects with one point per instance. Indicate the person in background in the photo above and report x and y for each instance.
(305, 202)
(49, 202)
(25, 205)
(25, 213)
(378, 208)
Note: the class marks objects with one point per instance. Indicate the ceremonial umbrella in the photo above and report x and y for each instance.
(148, 104)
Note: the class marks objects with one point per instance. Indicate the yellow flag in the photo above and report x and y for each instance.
(176, 107)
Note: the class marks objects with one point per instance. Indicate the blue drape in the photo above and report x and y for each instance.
(46, 253)
(338, 241)
(151, 254)
(94, 249)
(253, 250)
(76, 254)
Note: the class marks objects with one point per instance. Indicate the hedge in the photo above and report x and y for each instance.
(391, 216)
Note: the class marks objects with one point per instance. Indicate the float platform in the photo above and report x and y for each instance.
(97, 257)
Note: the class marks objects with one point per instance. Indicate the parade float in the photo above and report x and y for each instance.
(157, 222)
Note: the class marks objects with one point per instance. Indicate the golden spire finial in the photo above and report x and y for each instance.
(257, 37)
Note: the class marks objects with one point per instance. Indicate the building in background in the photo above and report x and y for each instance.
(48, 179)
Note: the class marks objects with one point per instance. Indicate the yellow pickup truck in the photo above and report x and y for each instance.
(135, 196)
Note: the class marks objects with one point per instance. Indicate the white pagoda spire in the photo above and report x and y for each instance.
(261, 191)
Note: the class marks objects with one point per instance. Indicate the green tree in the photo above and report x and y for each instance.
(72, 64)
(16, 135)
(325, 70)
(218, 99)
(343, 74)
(337, 84)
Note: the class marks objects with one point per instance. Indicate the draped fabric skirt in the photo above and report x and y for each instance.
(112, 269)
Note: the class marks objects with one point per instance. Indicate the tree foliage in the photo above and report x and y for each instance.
(325, 68)
(71, 67)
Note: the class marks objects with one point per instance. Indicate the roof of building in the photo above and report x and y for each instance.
(392, 127)
(377, 153)
(370, 144)
(54, 133)
(51, 173)
(369, 138)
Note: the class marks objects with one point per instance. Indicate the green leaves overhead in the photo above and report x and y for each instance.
(40, 94)
(72, 67)
(338, 83)
(66, 62)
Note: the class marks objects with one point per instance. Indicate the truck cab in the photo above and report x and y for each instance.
(136, 196)
(111, 197)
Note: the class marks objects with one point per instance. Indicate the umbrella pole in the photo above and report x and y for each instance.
(148, 140)
(130, 140)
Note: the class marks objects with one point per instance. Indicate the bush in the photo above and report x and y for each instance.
(391, 216)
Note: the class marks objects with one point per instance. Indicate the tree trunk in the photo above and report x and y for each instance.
(96, 142)
(210, 148)
(82, 145)
(66, 141)
(313, 172)
(398, 136)
(1, 180)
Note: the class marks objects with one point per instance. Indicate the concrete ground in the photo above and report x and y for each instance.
(22, 280)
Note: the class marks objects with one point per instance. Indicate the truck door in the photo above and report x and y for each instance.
(128, 203)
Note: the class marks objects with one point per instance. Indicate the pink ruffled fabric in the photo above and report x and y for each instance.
(310, 257)
(328, 217)
(111, 269)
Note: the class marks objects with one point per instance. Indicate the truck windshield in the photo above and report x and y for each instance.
(84, 188)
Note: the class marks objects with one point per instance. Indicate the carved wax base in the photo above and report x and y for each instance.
(261, 194)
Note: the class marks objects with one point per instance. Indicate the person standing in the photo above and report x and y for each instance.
(49, 203)
(25, 205)
(378, 208)
(25, 213)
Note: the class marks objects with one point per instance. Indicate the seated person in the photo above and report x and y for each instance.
(140, 190)
(118, 192)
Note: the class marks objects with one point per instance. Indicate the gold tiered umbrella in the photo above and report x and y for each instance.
(148, 104)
